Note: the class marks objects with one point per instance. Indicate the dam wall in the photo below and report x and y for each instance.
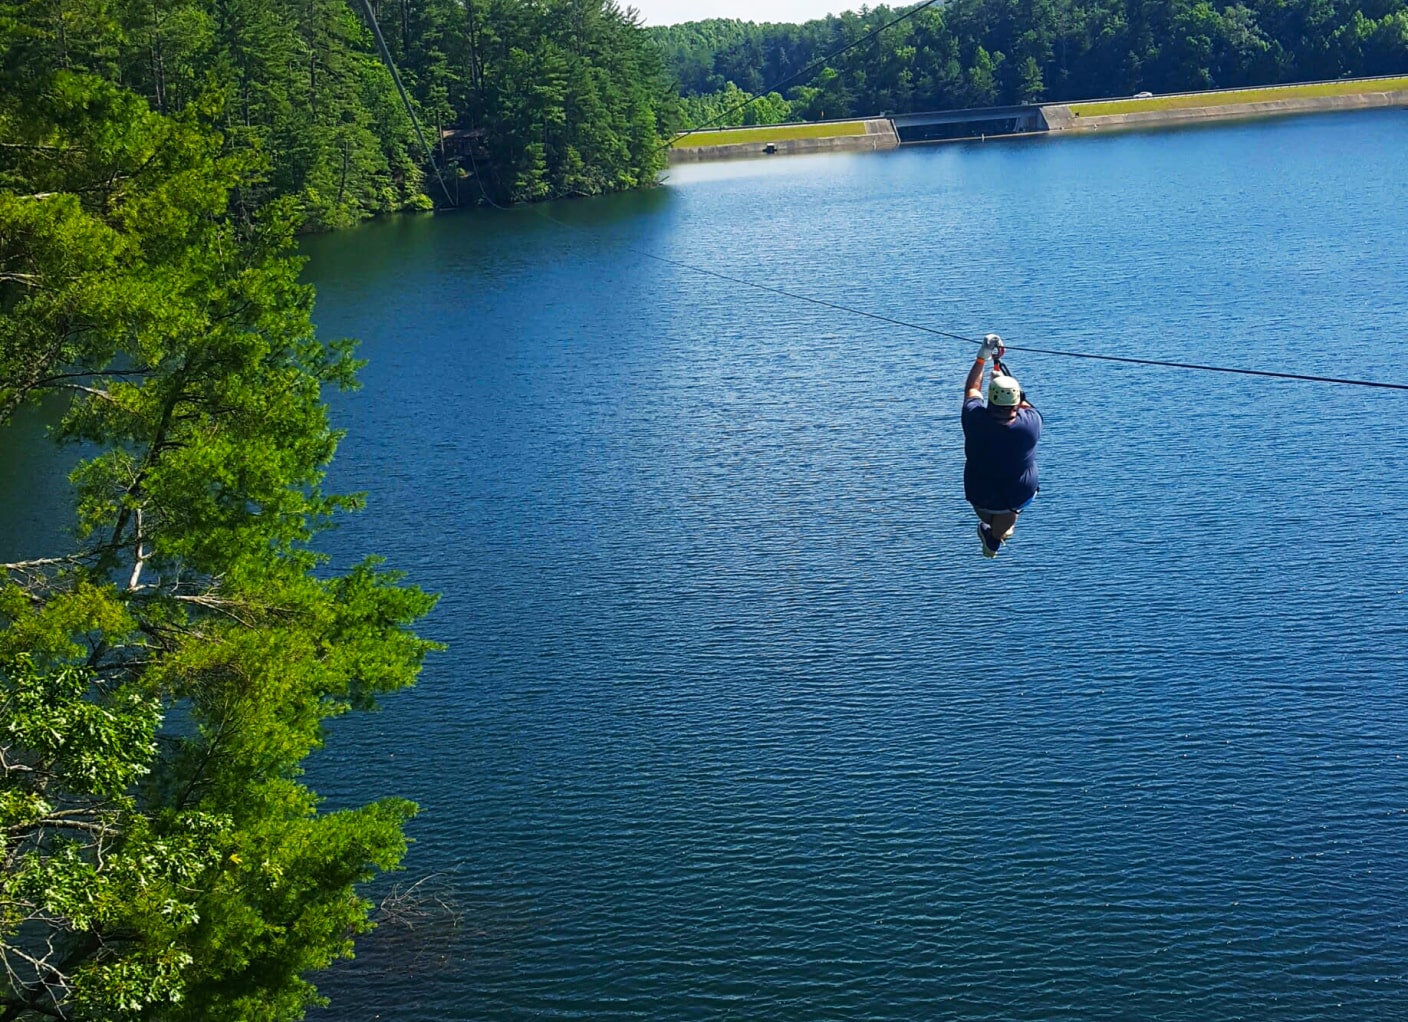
(1133, 112)
(879, 134)
(1068, 117)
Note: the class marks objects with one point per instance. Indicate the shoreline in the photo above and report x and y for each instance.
(1053, 119)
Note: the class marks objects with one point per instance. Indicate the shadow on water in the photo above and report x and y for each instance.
(736, 722)
(36, 514)
(412, 243)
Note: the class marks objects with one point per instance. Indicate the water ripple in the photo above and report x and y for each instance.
(736, 722)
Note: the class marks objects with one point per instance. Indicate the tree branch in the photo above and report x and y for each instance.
(49, 823)
(48, 381)
(94, 391)
(38, 562)
(141, 555)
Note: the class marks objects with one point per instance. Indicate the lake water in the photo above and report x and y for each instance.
(737, 723)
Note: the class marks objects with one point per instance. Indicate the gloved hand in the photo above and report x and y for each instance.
(992, 345)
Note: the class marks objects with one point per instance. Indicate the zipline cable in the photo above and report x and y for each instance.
(798, 74)
(405, 99)
(1127, 359)
(1240, 371)
(801, 298)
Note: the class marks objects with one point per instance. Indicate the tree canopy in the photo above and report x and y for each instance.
(555, 97)
(162, 681)
(547, 97)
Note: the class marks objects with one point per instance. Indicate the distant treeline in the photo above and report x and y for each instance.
(969, 53)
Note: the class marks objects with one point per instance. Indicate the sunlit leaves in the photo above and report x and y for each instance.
(96, 744)
(161, 686)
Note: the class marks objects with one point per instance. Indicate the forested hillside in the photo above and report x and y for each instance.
(557, 98)
(566, 97)
(988, 52)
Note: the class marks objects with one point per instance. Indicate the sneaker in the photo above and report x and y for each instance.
(991, 544)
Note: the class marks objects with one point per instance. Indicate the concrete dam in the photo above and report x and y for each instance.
(1145, 110)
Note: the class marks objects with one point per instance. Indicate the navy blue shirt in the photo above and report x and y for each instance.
(1000, 474)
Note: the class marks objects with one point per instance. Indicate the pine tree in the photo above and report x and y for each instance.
(162, 682)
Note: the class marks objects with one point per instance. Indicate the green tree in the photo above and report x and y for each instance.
(732, 107)
(570, 97)
(769, 109)
(162, 682)
(1029, 84)
(982, 78)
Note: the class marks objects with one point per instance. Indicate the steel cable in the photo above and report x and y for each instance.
(893, 321)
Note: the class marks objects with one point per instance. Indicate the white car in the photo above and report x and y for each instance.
(1143, 95)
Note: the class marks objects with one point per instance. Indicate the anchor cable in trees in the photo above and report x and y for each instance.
(405, 99)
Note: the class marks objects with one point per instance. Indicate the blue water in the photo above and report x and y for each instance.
(737, 723)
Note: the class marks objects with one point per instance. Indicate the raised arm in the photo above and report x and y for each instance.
(973, 386)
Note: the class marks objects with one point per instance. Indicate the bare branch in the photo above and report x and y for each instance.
(94, 391)
(38, 562)
(416, 907)
(141, 553)
(221, 606)
(41, 965)
(20, 830)
(55, 378)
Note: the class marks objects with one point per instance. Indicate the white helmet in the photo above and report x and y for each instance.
(1005, 392)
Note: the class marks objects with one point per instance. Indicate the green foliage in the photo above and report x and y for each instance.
(557, 98)
(302, 91)
(731, 107)
(162, 684)
(563, 96)
(99, 746)
(980, 53)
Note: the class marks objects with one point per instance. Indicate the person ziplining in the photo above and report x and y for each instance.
(1001, 434)
(999, 443)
